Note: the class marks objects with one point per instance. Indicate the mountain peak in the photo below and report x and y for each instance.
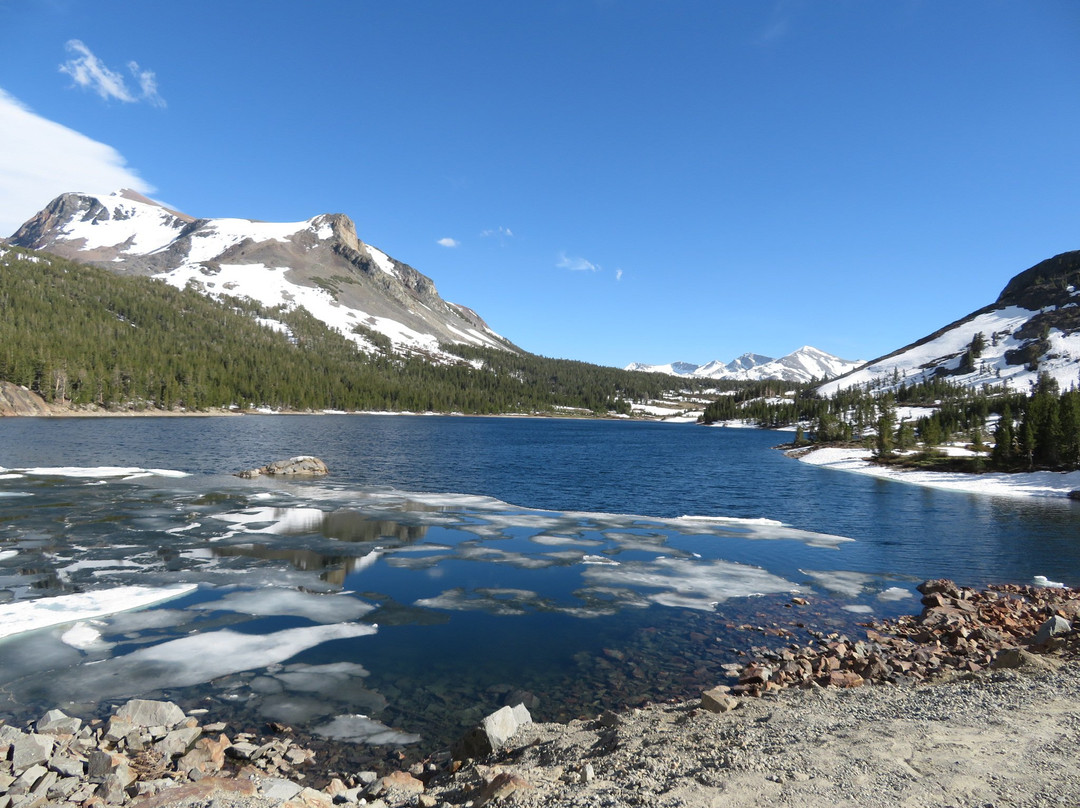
(803, 365)
(320, 264)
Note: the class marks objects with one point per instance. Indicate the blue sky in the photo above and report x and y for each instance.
(606, 180)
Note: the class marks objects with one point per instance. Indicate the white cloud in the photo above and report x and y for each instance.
(618, 274)
(577, 264)
(40, 159)
(89, 72)
(448, 242)
(498, 231)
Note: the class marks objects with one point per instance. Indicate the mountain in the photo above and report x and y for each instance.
(1033, 327)
(319, 264)
(803, 365)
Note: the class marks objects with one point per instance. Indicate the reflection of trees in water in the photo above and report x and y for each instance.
(355, 526)
(343, 525)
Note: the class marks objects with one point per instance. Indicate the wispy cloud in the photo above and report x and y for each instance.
(90, 73)
(576, 263)
(618, 274)
(448, 242)
(40, 159)
(498, 231)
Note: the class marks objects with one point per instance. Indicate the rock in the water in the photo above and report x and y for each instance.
(301, 466)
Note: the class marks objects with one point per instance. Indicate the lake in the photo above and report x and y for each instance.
(451, 564)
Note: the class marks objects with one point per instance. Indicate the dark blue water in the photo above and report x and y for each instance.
(497, 556)
(650, 469)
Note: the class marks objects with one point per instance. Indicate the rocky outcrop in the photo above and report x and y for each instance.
(301, 466)
(960, 631)
(16, 400)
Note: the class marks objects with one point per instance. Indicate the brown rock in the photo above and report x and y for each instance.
(718, 700)
(501, 786)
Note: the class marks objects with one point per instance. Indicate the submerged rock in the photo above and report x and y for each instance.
(300, 466)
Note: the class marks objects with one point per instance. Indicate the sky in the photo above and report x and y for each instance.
(614, 181)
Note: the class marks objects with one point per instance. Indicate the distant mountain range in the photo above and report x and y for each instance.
(1033, 327)
(804, 365)
(319, 264)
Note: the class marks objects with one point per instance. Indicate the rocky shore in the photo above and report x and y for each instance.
(974, 702)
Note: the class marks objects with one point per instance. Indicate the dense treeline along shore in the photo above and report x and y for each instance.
(839, 720)
(82, 337)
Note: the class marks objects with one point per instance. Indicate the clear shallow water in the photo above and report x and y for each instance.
(449, 562)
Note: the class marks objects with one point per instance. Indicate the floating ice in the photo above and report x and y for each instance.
(85, 637)
(840, 582)
(28, 615)
(317, 608)
(195, 659)
(8, 554)
(361, 729)
(100, 472)
(694, 584)
(858, 608)
(894, 593)
(1043, 581)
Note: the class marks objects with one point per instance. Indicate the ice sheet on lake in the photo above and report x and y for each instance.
(840, 582)
(29, 615)
(336, 608)
(100, 472)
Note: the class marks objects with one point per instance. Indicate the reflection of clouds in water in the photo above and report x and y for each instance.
(691, 584)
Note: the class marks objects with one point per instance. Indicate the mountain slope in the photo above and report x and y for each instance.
(319, 264)
(803, 365)
(1033, 327)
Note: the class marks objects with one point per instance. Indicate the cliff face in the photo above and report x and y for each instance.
(15, 400)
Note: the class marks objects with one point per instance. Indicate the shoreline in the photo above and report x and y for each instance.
(1034, 484)
(942, 733)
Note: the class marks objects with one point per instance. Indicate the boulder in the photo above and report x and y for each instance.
(1056, 626)
(718, 700)
(57, 722)
(494, 731)
(146, 713)
(300, 466)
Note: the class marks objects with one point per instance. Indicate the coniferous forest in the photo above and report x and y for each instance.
(83, 336)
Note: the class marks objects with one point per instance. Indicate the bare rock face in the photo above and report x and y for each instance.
(301, 466)
(16, 400)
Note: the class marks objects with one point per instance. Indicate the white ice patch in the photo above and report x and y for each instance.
(317, 608)
(84, 637)
(894, 593)
(361, 729)
(8, 554)
(840, 582)
(199, 658)
(858, 608)
(100, 472)
(30, 615)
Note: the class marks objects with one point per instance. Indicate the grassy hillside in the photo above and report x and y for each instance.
(83, 336)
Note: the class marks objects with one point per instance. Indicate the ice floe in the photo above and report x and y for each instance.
(336, 608)
(29, 615)
(361, 729)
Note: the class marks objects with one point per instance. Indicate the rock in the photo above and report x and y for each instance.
(1056, 626)
(300, 466)
(718, 700)
(500, 787)
(278, 788)
(30, 750)
(396, 784)
(177, 742)
(494, 731)
(57, 722)
(1011, 658)
(146, 713)
(207, 757)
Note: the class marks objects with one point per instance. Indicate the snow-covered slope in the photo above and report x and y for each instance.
(803, 365)
(318, 264)
(1032, 328)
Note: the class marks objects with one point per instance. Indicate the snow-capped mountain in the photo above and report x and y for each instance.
(1033, 327)
(803, 365)
(318, 264)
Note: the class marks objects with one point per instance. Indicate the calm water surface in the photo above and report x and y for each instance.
(450, 563)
